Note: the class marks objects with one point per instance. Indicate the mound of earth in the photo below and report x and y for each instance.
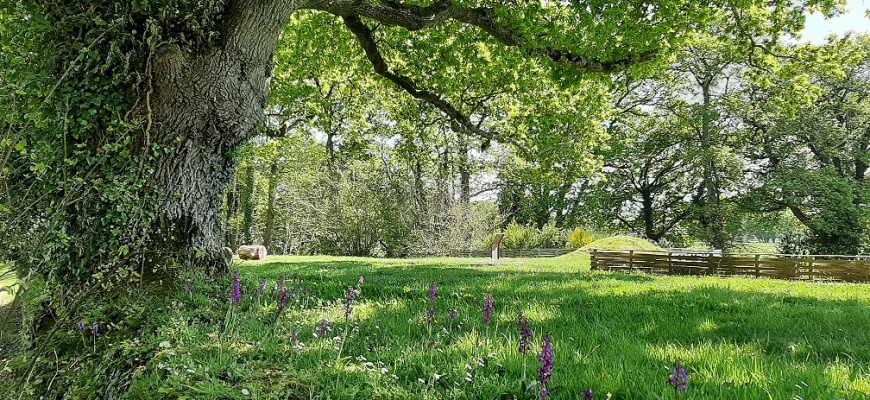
(617, 243)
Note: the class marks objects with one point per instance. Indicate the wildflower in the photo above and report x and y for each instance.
(432, 291)
(96, 327)
(237, 289)
(82, 325)
(525, 333)
(452, 315)
(587, 394)
(348, 302)
(361, 281)
(262, 288)
(546, 359)
(282, 301)
(190, 289)
(281, 282)
(678, 378)
(487, 310)
(431, 315)
(322, 328)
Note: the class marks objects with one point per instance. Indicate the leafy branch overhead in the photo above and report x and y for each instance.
(578, 38)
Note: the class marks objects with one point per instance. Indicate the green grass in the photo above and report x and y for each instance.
(739, 338)
(617, 243)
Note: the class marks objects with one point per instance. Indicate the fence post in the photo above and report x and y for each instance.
(670, 261)
(710, 265)
(496, 243)
(593, 260)
(631, 260)
(812, 274)
(757, 268)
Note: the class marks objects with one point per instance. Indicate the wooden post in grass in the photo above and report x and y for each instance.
(811, 274)
(593, 260)
(631, 260)
(711, 267)
(496, 243)
(757, 269)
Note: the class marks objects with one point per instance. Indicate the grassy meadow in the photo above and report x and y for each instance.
(739, 338)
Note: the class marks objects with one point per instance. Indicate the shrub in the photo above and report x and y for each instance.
(460, 227)
(550, 236)
(519, 237)
(578, 238)
(679, 239)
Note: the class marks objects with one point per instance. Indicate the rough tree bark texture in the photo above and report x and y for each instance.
(205, 104)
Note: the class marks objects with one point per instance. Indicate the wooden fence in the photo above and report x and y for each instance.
(782, 266)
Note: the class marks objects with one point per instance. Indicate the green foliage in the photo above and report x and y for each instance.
(812, 141)
(524, 237)
(395, 208)
(679, 239)
(517, 236)
(459, 228)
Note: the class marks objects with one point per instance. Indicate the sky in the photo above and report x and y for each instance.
(817, 27)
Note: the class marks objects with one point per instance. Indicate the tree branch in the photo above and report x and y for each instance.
(366, 40)
(414, 18)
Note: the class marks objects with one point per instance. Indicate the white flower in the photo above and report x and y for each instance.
(246, 392)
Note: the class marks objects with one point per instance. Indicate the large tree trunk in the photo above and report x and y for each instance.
(205, 104)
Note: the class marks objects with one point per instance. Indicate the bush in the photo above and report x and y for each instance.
(460, 227)
(519, 237)
(679, 240)
(550, 236)
(578, 238)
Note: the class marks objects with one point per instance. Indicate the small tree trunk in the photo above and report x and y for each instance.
(270, 206)
(247, 198)
(464, 171)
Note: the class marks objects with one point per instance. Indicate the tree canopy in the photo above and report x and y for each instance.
(124, 119)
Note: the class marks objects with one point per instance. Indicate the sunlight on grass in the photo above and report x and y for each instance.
(739, 338)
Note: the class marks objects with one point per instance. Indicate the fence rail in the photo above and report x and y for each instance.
(782, 266)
